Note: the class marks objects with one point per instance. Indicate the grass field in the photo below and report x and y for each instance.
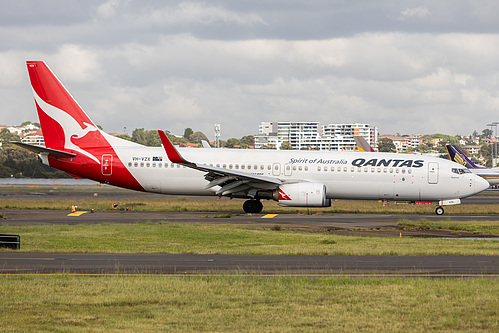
(164, 237)
(64, 303)
(243, 304)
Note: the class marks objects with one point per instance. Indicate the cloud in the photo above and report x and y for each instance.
(416, 12)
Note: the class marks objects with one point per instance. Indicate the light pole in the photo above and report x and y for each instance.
(495, 123)
(491, 145)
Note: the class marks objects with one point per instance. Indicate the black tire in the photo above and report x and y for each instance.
(259, 206)
(249, 206)
(439, 210)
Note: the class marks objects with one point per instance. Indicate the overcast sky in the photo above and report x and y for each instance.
(412, 67)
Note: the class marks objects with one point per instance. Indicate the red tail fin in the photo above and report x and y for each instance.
(60, 115)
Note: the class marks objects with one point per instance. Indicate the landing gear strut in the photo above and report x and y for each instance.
(252, 206)
(439, 210)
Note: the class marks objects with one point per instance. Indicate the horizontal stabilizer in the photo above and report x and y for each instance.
(39, 149)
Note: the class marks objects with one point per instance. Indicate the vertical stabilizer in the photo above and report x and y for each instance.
(60, 115)
(458, 156)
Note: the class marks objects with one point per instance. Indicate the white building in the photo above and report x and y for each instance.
(311, 135)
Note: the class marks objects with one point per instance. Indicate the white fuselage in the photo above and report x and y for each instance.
(346, 175)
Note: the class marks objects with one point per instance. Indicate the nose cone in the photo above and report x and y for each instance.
(480, 184)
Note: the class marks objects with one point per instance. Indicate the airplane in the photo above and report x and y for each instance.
(489, 174)
(362, 144)
(74, 144)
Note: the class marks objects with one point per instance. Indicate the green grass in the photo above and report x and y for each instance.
(474, 227)
(164, 237)
(234, 304)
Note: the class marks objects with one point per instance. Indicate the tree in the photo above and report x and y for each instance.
(232, 142)
(188, 132)
(146, 138)
(197, 136)
(124, 137)
(386, 145)
(6, 136)
(486, 154)
(487, 133)
(286, 146)
(247, 141)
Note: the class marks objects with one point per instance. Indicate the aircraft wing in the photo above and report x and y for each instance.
(39, 149)
(231, 182)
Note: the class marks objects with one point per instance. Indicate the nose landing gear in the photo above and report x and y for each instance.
(252, 206)
(439, 210)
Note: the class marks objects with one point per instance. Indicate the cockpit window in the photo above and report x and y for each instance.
(460, 171)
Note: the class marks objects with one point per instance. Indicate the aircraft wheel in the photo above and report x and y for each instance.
(259, 206)
(250, 206)
(439, 210)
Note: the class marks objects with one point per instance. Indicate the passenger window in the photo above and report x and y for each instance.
(352, 169)
(136, 164)
(242, 167)
(129, 164)
(403, 170)
(345, 169)
(236, 166)
(224, 166)
(218, 165)
(261, 167)
(294, 167)
(268, 167)
(332, 169)
(299, 168)
(319, 168)
(142, 164)
(339, 169)
(306, 168)
(160, 165)
(325, 168)
(359, 169)
(391, 170)
(372, 170)
(409, 171)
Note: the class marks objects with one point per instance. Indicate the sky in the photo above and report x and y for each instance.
(408, 67)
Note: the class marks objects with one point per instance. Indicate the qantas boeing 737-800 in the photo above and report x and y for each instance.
(74, 144)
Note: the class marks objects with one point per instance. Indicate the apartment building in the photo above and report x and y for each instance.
(311, 135)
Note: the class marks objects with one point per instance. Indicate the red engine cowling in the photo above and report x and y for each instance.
(303, 195)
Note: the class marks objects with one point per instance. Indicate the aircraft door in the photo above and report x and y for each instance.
(433, 173)
(276, 169)
(288, 169)
(107, 165)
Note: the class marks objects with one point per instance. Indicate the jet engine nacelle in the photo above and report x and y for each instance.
(303, 195)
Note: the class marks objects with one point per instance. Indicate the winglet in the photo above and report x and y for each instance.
(171, 151)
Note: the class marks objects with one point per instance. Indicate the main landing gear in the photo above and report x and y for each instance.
(439, 210)
(252, 206)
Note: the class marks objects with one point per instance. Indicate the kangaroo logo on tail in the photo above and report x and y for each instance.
(64, 123)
